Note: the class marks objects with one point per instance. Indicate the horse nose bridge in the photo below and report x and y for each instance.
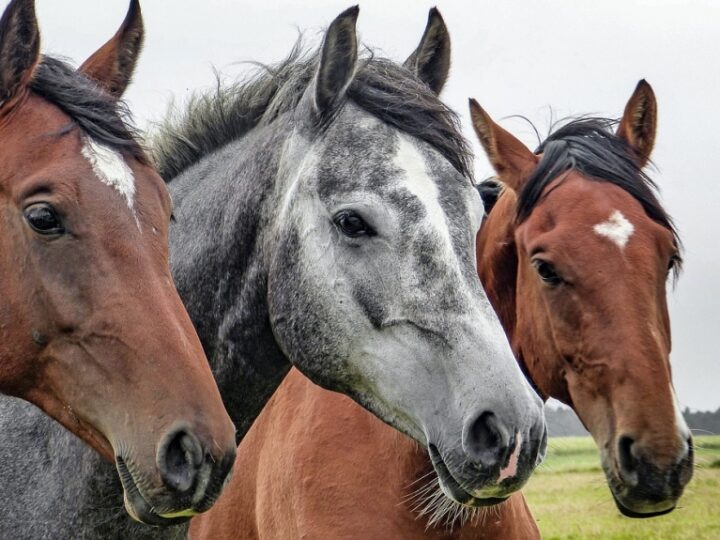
(488, 373)
(490, 349)
(159, 323)
(641, 332)
(155, 349)
(643, 398)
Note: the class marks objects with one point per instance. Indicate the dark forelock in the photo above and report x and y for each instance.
(591, 147)
(98, 114)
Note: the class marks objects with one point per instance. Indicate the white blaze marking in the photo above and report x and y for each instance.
(680, 423)
(617, 229)
(410, 160)
(110, 167)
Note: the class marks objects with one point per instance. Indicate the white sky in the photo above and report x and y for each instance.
(514, 57)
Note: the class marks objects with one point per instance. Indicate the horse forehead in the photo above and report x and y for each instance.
(47, 133)
(587, 203)
(364, 153)
(27, 133)
(110, 168)
(598, 223)
(420, 178)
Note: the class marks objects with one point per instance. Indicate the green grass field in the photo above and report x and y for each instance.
(570, 500)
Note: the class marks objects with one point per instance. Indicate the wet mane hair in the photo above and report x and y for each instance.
(383, 88)
(591, 147)
(93, 110)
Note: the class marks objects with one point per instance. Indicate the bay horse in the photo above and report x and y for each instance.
(594, 232)
(591, 250)
(325, 218)
(92, 330)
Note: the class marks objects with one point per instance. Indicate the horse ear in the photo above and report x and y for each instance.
(113, 64)
(639, 122)
(19, 47)
(512, 160)
(338, 61)
(431, 60)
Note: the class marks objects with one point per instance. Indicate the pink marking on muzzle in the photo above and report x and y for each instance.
(511, 469)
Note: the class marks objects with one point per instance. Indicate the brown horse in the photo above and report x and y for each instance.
(92, 330)
(590, 250)
(575, 256)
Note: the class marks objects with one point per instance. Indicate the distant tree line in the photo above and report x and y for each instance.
(563, 422)
(703, 422)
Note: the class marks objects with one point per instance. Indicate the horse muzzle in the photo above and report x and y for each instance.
(641, 488)
(493, 462)
(190, 480)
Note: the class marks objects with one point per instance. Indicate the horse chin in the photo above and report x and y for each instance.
(453, 490)
(139, 508)
(633, 506)
(645, 511)
(140, 511)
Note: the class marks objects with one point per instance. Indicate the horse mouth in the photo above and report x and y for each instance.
(452, 488)
(635, 502)
(627, 512)
(139, 508)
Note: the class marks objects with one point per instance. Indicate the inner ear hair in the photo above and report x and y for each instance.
(639, 122)
(112, 65)
(338, 61)
(512, 160)
(431, 60)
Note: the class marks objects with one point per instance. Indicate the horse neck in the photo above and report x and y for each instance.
(497, 259)
(222, 205)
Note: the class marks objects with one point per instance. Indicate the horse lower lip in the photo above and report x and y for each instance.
(452, 488)
(136, 505)
(625, 511)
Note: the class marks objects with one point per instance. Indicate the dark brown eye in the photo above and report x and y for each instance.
(43, 219)
(547, 272)
(352, 225)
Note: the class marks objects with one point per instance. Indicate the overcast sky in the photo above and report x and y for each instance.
(514, 57)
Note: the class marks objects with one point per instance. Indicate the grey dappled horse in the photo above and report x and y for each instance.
(324, 218)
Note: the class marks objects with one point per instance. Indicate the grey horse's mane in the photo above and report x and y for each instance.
(385, 89)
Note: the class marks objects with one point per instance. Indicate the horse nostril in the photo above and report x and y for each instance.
(179, 459)
(486, 440)
(627, 461)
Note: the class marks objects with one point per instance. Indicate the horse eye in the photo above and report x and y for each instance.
(547, 272)
(674, 261)
(352, 225)
(43, 219)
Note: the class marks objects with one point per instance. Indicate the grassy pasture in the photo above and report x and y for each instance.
(570, 500)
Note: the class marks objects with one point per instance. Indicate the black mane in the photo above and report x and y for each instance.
(381, 87)
(98, 114)
(590, 146)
